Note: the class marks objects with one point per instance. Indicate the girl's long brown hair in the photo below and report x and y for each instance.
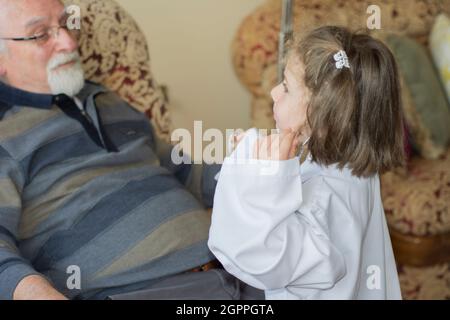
(355, 114)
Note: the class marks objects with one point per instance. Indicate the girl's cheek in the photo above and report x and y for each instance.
(275, 112)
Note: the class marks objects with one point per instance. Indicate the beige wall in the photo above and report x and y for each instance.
(190, 43)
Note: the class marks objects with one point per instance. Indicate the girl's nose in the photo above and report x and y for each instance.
(276, 93)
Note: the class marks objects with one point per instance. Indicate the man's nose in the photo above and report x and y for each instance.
(65, 41)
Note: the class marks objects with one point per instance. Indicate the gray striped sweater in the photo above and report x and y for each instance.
(122, 219)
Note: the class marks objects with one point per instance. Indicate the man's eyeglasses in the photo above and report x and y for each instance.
(44, 35)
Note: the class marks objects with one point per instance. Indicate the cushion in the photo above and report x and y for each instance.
(440, 49)
(425, 102)
(429, 283)
(417, 201)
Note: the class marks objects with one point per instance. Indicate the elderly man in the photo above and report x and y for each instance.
(85, 188)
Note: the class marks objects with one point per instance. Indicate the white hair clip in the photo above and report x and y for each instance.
(341, 60)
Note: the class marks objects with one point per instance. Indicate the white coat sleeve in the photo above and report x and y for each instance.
(260, 234)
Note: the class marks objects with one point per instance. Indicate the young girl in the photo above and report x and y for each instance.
(317, 230)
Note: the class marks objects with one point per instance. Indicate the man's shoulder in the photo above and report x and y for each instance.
(101, 94)
(94, 87)
(97, 90)
(4, 107)
(106, 100)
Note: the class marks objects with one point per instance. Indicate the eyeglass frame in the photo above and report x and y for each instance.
(38, 37)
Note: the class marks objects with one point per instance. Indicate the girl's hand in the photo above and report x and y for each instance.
(282, 146)
(235, 139)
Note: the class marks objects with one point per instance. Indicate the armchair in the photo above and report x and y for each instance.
(114, 53)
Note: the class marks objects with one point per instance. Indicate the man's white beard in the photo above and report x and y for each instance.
(68, 80)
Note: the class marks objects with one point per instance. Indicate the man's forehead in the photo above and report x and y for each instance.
(29, 12)
(42, 19)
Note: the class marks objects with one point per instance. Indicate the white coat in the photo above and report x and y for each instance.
(302, 231)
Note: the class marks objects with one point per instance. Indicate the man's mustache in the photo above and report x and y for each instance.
(63, 58)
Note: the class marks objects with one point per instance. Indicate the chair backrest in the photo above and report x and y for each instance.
(115, 54)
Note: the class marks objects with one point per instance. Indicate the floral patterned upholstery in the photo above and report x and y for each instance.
(417, 198)
(114, 53)
(417, 202)
(425, 283)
